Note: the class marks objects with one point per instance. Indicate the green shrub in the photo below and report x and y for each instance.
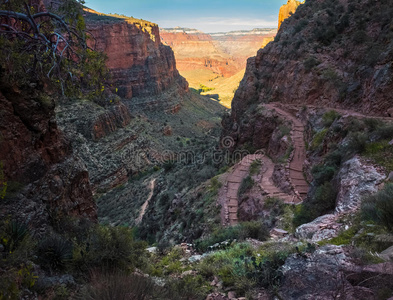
(323, 173)
(379, 207)
(334, 158)
(246, 185)
(325, 198)
(329, 117)
(255, 167)
(318, 139)
(323, 201)
(242, 231)
(384, 132)
(255, 230)
(357, 142)
(381, 153)
(310, 63)
(275, 205)
(110, 248)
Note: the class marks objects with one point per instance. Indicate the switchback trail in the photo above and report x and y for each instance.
(228, 195)
(299, 154)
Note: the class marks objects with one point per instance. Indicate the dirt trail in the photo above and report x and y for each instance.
(144, 206)
(268, 186)
(228, 195)
(299, 155)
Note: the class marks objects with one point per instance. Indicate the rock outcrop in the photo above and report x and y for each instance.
(287, 10)
(323, 275)
(357, 179)
(44, 177)
(140, 65)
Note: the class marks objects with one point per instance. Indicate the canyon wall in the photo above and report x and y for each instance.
(326, 54)
(45, 180)
(140, 65)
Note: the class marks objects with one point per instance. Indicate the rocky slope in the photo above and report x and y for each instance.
(140, 65)
(45, 180)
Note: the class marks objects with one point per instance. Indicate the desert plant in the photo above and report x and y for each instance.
(54, 253)
(14, 234)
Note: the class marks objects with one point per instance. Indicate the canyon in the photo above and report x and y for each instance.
(155, 190)
(215, 60)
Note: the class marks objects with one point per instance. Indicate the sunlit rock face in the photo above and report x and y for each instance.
(287, 10)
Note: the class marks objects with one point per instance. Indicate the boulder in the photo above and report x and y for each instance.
(387, 254)
(357, 179)
(320, 276)
(322, 228)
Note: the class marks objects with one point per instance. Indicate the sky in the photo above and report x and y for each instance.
(205, 15)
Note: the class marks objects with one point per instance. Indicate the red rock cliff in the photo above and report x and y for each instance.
(140, 65)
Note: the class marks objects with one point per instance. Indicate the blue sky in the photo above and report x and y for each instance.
(205, 15)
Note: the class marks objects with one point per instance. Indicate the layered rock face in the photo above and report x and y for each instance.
(287, 10)
(139, 63)
(325, 54)
(42, 174)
